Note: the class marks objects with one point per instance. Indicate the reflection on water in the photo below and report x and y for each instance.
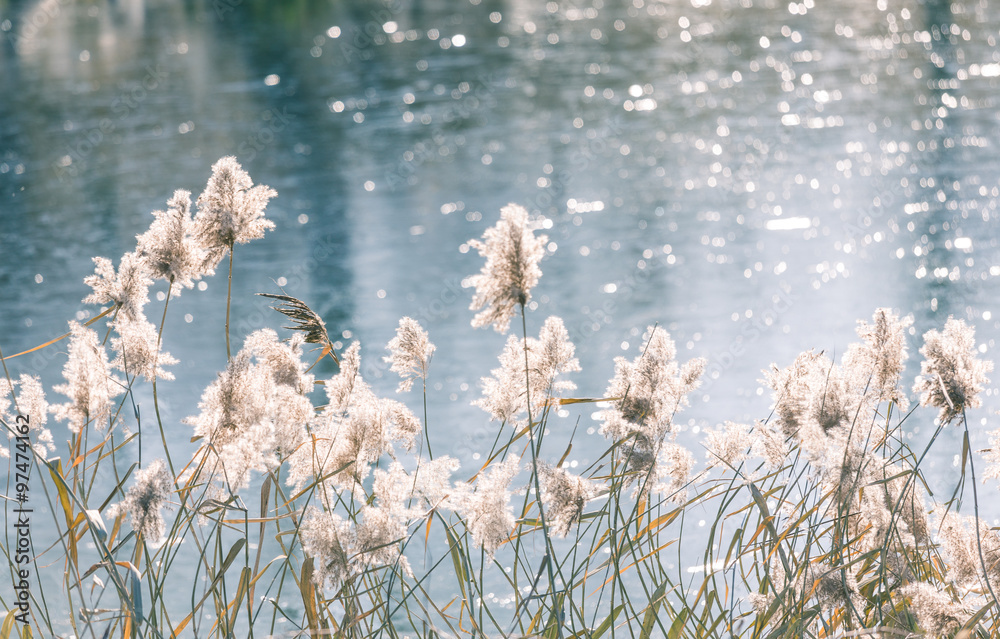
(754, 176)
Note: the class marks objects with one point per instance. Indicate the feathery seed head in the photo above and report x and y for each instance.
(796, 390)
(328, 539)
(257, 407)
(951, 376)
(512, 252)
(144, 500)
(432, 480)
(303, 318)
(354, 430)
(959, 543)
(410, 353)
(128, 288)
(30, 403)
(769, 444)
(230, 211)
(486, 507)
(340, 388)
(548, 356)
(881, 359)
(936, 612)
(378, 538)
(650, 389)
(728, 446)
(815, 399)
(555, 353)
(90, 386)
(169, 247)
(282, 359)
(234, 419)
(234, 402)
(672, 471)
(137, 351)
(648, 392)
(564, 496)
(136, 347)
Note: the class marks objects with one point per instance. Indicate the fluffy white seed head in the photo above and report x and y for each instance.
(960, 546)
(512, 252)
(881, 357)
(728, 446)
(936, 612)
(31, 404)
(671, 472)
(505, 394)
(951, 376)
(230, 211)
(329, 540)
(353, 432)
(486, 506)
(137, 351)
(258, 408)
(647, 392)
(378, 537)
(145, 500)
(127, 288)
(410, 353)
(169, 247)
(90, 386)
(564, 496)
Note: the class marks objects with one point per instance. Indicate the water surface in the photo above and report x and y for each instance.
(752, 176)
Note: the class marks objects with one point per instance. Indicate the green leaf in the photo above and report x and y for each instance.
(55, 469)
(134, 591)
(606, 624)
(241, 592)
(762, 505)
(456, 558)
(650, 618)
(234, 552)
(678, 625)
(97, 524)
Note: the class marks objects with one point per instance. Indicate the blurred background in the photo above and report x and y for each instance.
(752, 175)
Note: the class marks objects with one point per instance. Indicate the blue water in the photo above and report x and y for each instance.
(753, 176)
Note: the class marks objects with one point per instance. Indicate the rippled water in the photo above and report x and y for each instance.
(753, 176)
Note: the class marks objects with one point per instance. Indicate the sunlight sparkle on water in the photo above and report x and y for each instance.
(788, 224)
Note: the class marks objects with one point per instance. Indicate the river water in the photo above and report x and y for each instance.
(753, 176)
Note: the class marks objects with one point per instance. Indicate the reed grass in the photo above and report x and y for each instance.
(818, 521)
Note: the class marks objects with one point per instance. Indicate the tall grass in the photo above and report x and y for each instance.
(815, 521)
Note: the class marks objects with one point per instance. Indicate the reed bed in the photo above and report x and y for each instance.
(819, 520)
